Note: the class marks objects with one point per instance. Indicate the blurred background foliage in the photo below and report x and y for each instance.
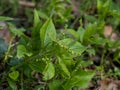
(64, 12)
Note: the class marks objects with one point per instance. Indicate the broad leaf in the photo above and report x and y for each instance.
(14, 75)
(79, 79)
(73, 33)
(64, 70)
(72, 46)
(90, 31)
(49, 71)
(55, 85)
(47, 33)
(99, 40)
(21, 51)
(37, 66)
(15, 31)
(12, 84)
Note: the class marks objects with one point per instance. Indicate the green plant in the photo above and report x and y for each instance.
(47, 56)
(54, 58)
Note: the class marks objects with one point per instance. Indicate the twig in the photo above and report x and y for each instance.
(26, 3)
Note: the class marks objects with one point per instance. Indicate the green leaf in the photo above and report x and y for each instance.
(15, 31)
(21, 51)
(3, 18)
(73, 33)
(38, 87)
(12, 84)
(43, 14)
(99, 5)
(82, 78)
(115, 44)
(80, 32)
(72, 46)
(36, 18)
(15, 61)
(99, 40)
(35, 35)
(65, 72)
(14, 75)
(47, 33)
(90, 18)
(91, 51)
(90, 31)
(49, 71)
(79, 79)
(55, 85)
(37, 66)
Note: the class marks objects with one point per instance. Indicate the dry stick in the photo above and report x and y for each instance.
(26, 3)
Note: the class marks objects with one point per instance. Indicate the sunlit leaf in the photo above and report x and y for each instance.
(3, 18)
(21, 51)
(14, 75)
(47, 33)
(79, 79)
(49, 71)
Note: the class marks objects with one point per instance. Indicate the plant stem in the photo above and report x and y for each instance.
(8, 50)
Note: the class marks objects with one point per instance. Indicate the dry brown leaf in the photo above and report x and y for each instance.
(108, 32)
(109, 84)
(75, 5)
(4, 32)
(26, 3)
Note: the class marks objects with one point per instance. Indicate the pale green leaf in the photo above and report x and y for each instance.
(21, 51)
(3, 18)
(15, 31)
(14, 75)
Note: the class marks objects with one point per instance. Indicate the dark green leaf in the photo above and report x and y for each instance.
(37, 66)
(3, 47)
(12, 84)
